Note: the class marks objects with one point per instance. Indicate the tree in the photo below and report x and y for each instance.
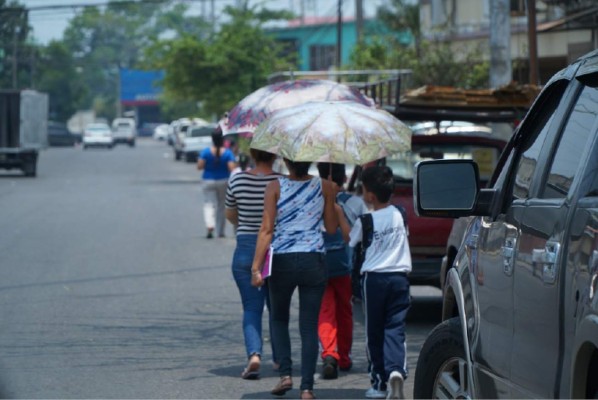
(14, 29)
(59, 78)
(219, 73)
(104, 41)
(432, 62)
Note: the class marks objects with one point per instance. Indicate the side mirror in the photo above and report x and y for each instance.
(446, 188)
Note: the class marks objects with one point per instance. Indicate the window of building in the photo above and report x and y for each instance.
(322, 57)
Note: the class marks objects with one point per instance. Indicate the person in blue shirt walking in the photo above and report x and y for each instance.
(217, 165)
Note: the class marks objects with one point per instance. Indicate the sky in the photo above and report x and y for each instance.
(49, 24)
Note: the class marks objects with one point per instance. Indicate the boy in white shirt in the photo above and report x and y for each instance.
(384, 285)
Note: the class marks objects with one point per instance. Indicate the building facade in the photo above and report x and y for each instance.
(314, 40)
(565, 30)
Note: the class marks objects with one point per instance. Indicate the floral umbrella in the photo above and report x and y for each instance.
(254, 108)
(332, 131)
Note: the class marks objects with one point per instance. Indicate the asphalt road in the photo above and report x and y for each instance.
(108, 288)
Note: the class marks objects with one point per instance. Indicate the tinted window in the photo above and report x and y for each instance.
(572, 143)
(534, 131)
(403, 164)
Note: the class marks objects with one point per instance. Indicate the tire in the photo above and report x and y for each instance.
(30, 168)
(441, 370)
(177, 155)
(132, 144)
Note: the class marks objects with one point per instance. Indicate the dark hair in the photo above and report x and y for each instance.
(336, 171)
(218, 141)
(379, 181)
(299, 168)
(262, 156)
(243, 161)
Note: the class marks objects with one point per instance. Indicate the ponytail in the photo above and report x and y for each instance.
(218, 141)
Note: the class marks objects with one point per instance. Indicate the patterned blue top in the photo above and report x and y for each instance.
(298, 226)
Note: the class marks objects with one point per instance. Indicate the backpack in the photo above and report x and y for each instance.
(367, 226)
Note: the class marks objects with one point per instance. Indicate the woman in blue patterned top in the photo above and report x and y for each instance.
(295, 208)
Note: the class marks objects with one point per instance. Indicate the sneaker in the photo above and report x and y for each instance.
(395, 383)
(330, 368)
(372, 393)
(210, 235)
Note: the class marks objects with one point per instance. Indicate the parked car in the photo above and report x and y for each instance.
(195, 140)
(124, 131)
(181, 128)
(161, 132)
(148, 128)
(520, 306)
(59, 135)
(98, 134)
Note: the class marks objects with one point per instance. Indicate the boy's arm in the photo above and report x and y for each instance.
(342, 223)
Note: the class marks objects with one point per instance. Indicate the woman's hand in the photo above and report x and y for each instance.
(256, 279)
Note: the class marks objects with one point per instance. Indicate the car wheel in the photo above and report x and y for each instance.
(132, 144)
(441, 370)
(177, 155)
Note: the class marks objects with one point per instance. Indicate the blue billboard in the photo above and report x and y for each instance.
(140, 88)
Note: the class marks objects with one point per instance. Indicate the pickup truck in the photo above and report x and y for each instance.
(520, 305)
(23, 129)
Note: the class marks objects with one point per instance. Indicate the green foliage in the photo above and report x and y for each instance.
(14, 28)
(219, 73)
(432, 63)
(58, 78)
(103, 41)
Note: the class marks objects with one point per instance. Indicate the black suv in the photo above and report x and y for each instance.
(520, 306)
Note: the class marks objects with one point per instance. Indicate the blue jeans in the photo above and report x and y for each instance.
(307, 271)
(253, 298)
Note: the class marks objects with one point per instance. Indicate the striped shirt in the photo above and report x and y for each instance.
(245, 192)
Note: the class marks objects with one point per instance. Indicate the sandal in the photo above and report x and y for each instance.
(252, 371)
(307, 394)
(284, 385)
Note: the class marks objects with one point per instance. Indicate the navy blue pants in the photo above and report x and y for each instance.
(386, 302)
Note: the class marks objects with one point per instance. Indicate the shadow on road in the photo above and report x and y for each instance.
(320, 393)
(425, 310)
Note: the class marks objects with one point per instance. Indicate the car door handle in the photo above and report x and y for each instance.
(508, 253)
(547, 257)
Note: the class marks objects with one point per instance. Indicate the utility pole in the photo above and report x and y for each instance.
(359, 20)
(532, 42)
(14, 57)
(500, 43)
(339, 36)
(213, 17)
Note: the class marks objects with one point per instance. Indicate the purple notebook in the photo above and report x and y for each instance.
(267, 267)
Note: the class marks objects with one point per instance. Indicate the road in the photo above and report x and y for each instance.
(108, 288)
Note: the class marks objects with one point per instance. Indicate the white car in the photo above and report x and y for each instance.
(161, 132)
(124, 131)
(196, 139)
(98, 134)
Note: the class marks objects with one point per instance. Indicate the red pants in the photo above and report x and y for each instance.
(335, 325)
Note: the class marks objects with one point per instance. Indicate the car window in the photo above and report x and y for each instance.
(534, 130)
(403, 164)
(571, 145)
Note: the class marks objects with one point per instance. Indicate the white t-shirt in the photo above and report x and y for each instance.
(389, 251)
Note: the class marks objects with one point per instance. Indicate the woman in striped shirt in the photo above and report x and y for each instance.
(244, 209)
